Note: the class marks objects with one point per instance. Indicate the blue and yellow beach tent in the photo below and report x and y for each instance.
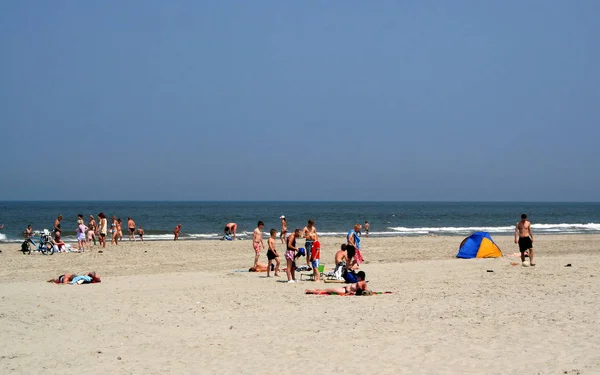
(479, 245)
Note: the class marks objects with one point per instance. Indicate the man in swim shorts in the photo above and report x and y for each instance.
(272, 254)
(524, 237)
(310, 234)
(131, 227)
(230, 228)
(257, 241)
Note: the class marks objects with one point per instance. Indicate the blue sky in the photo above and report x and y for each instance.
(300, 100)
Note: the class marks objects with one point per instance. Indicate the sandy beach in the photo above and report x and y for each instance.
(186, 307)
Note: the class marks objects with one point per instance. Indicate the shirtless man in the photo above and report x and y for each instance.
(28, 232)
(524, 237)
(257, 241)
(131, 228)
(310, 234)
(230, 228)
(283, 234)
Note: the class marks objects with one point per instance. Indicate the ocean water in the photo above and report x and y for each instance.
(205, 220)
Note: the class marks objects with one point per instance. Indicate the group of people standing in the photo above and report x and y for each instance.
(311, 250)
(95, 231)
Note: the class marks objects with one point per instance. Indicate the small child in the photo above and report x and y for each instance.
(141, 233)
(176, 232)
(315, 257)
(91, 237)
(81, 228)
(272, 254)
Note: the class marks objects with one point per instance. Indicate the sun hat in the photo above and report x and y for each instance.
(282, 217)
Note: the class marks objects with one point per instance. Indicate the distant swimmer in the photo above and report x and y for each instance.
(524, 237)
(230, 228)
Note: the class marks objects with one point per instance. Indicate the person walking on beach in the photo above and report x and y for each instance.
(283, 234)
(367, 228)
(524, 237)
(272, 254)
(230, 228)
(353, 239)
(176, 232)
(310, 234)
(102, 229)
(257, 241)
(141, 233)
(131, 228)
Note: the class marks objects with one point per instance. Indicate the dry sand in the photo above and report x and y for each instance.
(178, 308)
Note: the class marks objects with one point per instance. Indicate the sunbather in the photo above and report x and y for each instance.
(68, 278)
(354, 288)
(259, 267)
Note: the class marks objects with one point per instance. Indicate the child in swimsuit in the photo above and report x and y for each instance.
(272, 254)
(141, 233)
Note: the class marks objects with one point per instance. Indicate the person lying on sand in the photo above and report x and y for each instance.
(355, 288)
(260, 267)
(68, 278)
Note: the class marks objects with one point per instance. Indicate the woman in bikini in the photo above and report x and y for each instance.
(113, 231)
(354, 288)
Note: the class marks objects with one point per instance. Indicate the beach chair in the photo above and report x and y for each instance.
(311, 275)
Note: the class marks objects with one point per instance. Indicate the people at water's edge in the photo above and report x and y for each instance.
(131, 228)
(103, 229)
(176, 232)
(524, 237)
(230, 228)
(284, 230)
(367, 228)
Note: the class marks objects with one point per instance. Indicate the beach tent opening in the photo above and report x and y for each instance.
(478, 245)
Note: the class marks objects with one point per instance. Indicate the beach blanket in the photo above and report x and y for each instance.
(369, 293)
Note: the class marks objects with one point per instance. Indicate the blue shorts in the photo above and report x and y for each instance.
(308, 247)
(315, 263)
